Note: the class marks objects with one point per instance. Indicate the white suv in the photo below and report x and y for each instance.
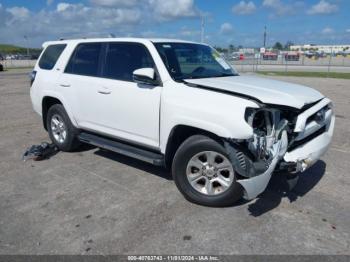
(180, 105)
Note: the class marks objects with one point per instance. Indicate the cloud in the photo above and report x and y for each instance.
(244, 8)
(75, 20)
(115, 3)
(347, 30)
(18, 13)
(327, 30)
(61, 7)
(97, 19)
(49, 2)
(280, 8)
(323, 7)
(226, 28)
(168, 10)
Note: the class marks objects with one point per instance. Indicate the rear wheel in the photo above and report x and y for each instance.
(61, 130)
(204, 174)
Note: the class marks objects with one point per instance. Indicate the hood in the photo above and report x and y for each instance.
(263, 89)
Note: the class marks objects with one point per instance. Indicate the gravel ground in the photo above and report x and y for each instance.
(96, 202)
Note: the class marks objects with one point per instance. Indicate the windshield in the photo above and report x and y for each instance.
(189, 61)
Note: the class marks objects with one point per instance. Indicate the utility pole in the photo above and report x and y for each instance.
(265, 37)
(26, 38)
(202, 28)
(330, 62)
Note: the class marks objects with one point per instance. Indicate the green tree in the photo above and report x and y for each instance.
(220, 49)
(278, 46)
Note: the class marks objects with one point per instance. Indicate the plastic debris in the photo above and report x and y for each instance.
(40, 152)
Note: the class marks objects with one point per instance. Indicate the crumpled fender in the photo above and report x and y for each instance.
(255, 185)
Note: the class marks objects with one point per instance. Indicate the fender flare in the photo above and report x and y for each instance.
(53, 94)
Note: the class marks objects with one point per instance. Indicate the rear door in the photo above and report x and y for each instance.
(80, 83)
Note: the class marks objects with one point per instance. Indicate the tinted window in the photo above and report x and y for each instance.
(85, 60)
(50, 56)
(122, 59)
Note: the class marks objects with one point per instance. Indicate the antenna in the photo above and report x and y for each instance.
(265, 37)
(202, 28)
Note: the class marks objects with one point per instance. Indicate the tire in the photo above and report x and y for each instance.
(66, 136)
(202, 148)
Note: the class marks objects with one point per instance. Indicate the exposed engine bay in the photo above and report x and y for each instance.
(259, 156)
(254, 156)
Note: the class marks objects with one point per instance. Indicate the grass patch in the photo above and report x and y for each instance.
(307, 74)
(12, 49)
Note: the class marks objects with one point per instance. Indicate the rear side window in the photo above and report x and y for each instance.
(122, 59)
(50, 56)
(85, 60)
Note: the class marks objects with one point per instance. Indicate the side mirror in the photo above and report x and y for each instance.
(146, 76)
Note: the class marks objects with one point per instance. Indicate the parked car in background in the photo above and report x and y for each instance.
(221, 134)
(34, 56)
(1, 66)
(292, 56)
(309, 54)
(270, 56)
(235, 56)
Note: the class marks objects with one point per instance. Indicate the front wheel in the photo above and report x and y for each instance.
(204, 174)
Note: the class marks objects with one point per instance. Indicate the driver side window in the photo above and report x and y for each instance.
(122, 59)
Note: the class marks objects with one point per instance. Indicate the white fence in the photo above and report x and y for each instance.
(17, 63)
(325, 64)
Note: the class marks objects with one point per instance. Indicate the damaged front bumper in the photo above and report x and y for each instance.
(305, 155)
(308, 151)
(256, 185)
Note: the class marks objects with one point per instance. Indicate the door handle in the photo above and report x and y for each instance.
(65, 85)
(104, 92)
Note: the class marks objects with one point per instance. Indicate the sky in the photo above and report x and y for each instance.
(32, 22)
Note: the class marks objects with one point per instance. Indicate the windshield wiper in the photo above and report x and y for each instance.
(195, 77)
(223, 75)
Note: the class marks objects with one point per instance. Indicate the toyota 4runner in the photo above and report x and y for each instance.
(180, 105)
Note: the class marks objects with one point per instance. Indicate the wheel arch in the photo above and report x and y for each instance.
(46, 103)
(179, 134)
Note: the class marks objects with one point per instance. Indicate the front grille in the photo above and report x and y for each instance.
(307, 139)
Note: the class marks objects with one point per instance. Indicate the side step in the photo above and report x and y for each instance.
(121, 148)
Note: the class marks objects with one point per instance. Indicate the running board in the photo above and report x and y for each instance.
(123, 149)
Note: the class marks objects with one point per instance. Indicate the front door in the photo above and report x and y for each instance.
(129, 110)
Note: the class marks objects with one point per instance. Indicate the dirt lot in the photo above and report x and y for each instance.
(95, 202)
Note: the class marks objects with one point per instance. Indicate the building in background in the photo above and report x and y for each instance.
(322, 48)
(250, 51)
